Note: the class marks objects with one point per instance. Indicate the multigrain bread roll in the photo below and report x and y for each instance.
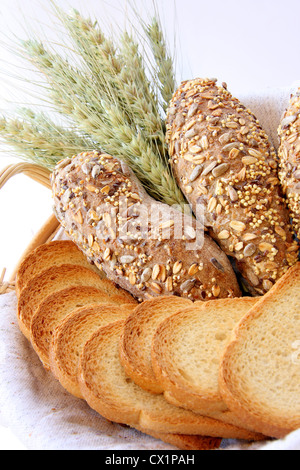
(289, 158)
(225, 165)
(144, 246)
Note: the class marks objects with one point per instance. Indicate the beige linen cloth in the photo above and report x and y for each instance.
(43, 416)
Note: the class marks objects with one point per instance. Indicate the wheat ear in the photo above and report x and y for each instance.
(36, 138)
(164, 61)
(73, 93)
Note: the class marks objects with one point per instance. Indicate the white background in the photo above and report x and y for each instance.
(251, 45)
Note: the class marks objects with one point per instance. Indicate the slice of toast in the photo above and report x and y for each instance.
(186, 441)
(52, 280)
(110, 288)
(50, 254)
(67, 344)
(135, 346)
(109, 391)
(260, 368)
(186, 352)
(70, 336)
(56, 307)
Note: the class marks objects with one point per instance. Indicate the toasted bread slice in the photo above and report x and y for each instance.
(135, 346)
(135, 352)
(260, 369)
(72, 333)
(52, 280)
(110, 288)
(56, 307)
(108, 390)
(186, 352)
(66, 346)
(51, 254)
(186, 441)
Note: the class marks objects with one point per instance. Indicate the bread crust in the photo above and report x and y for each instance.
(135, 343)
(168, 338)
(189, 329)
(70, 336)
(105, 211)
(185, 441)
(252, 408)
(55, 308)
(288, 153)
(52, 280)
(224, 164)
(50, 254)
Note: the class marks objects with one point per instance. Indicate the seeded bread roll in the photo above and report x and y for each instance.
(225, 165)
(132, 237)
(289, 152)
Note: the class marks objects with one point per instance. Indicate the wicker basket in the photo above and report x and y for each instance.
(47, 231)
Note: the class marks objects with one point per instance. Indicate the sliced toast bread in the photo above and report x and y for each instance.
(109, 391)
(52, 280)
(50, 254)
(135, 346)
(186, 441)
(186, 352)
(260, 369)
(67, 344)
(110, 288)
(56, 307)
(70, 336)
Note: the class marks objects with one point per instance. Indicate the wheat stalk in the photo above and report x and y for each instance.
(164, 62)
(74, 94)
(111, 101)
(120, 74)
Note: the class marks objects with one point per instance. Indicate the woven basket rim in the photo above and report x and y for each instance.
(48, 230)
(36, 172)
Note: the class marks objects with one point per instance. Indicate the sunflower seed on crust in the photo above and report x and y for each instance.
(288, 120)
(127, 259)
(220, 170)
(209, 168)
(249, 160)
(217, 264)
(188, 285)
(146, 275)
(233, 194)
(250, 250)
(196, 173)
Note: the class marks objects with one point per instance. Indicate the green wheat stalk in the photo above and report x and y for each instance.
(164, 62)
(36, 138)
(110, 100)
